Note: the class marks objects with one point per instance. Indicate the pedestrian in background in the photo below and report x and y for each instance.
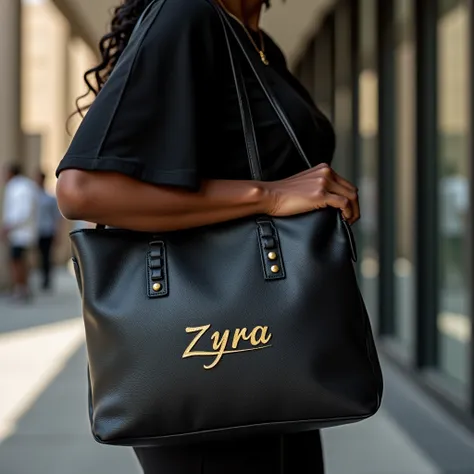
(49, 219)
(19, 227)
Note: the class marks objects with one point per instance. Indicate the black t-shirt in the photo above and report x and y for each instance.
(169, 115)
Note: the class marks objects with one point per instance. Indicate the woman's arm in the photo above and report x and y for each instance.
(116, 200)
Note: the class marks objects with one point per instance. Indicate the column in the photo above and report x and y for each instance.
(10, 98)
(10, 81)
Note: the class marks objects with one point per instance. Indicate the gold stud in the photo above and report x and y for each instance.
(272, 256)
(156, 287)
(275, 269)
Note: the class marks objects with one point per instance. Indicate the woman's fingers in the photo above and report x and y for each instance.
(325, 170)
(331, 189)
(351, 191)
(335, 188)
(339, 202)
(343, 182)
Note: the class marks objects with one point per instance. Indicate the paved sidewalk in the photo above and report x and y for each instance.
(43, 422)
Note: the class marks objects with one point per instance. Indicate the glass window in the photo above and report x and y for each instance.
(306, 70)
(453, 188)
(405, 166)
(368, 138)
(323, 68)
(343, 98)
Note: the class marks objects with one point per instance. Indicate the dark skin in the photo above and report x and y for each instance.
(119, 201)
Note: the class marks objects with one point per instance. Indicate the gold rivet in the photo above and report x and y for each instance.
(156, 287)
(275, 269)
(272, 256)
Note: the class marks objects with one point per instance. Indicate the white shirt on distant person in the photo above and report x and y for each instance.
(20, 211)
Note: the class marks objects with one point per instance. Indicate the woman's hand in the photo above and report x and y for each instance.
(316, 188)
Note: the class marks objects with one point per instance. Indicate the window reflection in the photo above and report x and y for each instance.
(453, 188)
(368, 137)
(343, 99)
(405, 100)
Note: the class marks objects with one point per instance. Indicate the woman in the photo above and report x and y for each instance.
(162, 149)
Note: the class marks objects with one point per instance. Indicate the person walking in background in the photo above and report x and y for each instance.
(19, 227)
(49, 219)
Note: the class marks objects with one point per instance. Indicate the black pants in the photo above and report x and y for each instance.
(44, 245)
(17, 253)
(293, 454)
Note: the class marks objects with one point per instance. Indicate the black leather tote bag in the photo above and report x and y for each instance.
(246, 328)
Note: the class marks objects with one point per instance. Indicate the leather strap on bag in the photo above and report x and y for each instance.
(245, 106)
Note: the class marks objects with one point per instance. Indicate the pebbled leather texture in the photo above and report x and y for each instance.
(321, 370)
(225, 346)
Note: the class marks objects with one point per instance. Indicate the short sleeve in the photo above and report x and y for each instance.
(152, 120)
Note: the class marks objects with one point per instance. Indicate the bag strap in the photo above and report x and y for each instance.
(244, 106)
(249, 130)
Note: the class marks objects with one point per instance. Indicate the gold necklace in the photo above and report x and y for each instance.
(261, 50)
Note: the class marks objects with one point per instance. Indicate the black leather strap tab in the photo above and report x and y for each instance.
(155, 263)
(157, 274)
(156, 253)
(267, 229)
(270, 250)
(268, 242)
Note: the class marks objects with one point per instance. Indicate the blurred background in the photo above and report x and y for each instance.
(395, 78)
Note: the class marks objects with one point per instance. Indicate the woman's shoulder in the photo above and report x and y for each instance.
(181, 28)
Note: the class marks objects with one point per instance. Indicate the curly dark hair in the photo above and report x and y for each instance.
(112, 45)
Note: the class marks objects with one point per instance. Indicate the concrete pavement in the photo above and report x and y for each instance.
(43, 419)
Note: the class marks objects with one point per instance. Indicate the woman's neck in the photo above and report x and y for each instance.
(248, 11)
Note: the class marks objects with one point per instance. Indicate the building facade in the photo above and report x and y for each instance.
(395, 78)
(43, 59)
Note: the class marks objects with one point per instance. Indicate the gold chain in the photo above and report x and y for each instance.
(261, 50)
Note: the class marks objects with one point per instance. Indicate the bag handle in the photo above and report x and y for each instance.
(247, 123)
(244, 106)
(249, 130)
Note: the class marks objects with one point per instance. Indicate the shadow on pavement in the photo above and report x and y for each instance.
(53, 437)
